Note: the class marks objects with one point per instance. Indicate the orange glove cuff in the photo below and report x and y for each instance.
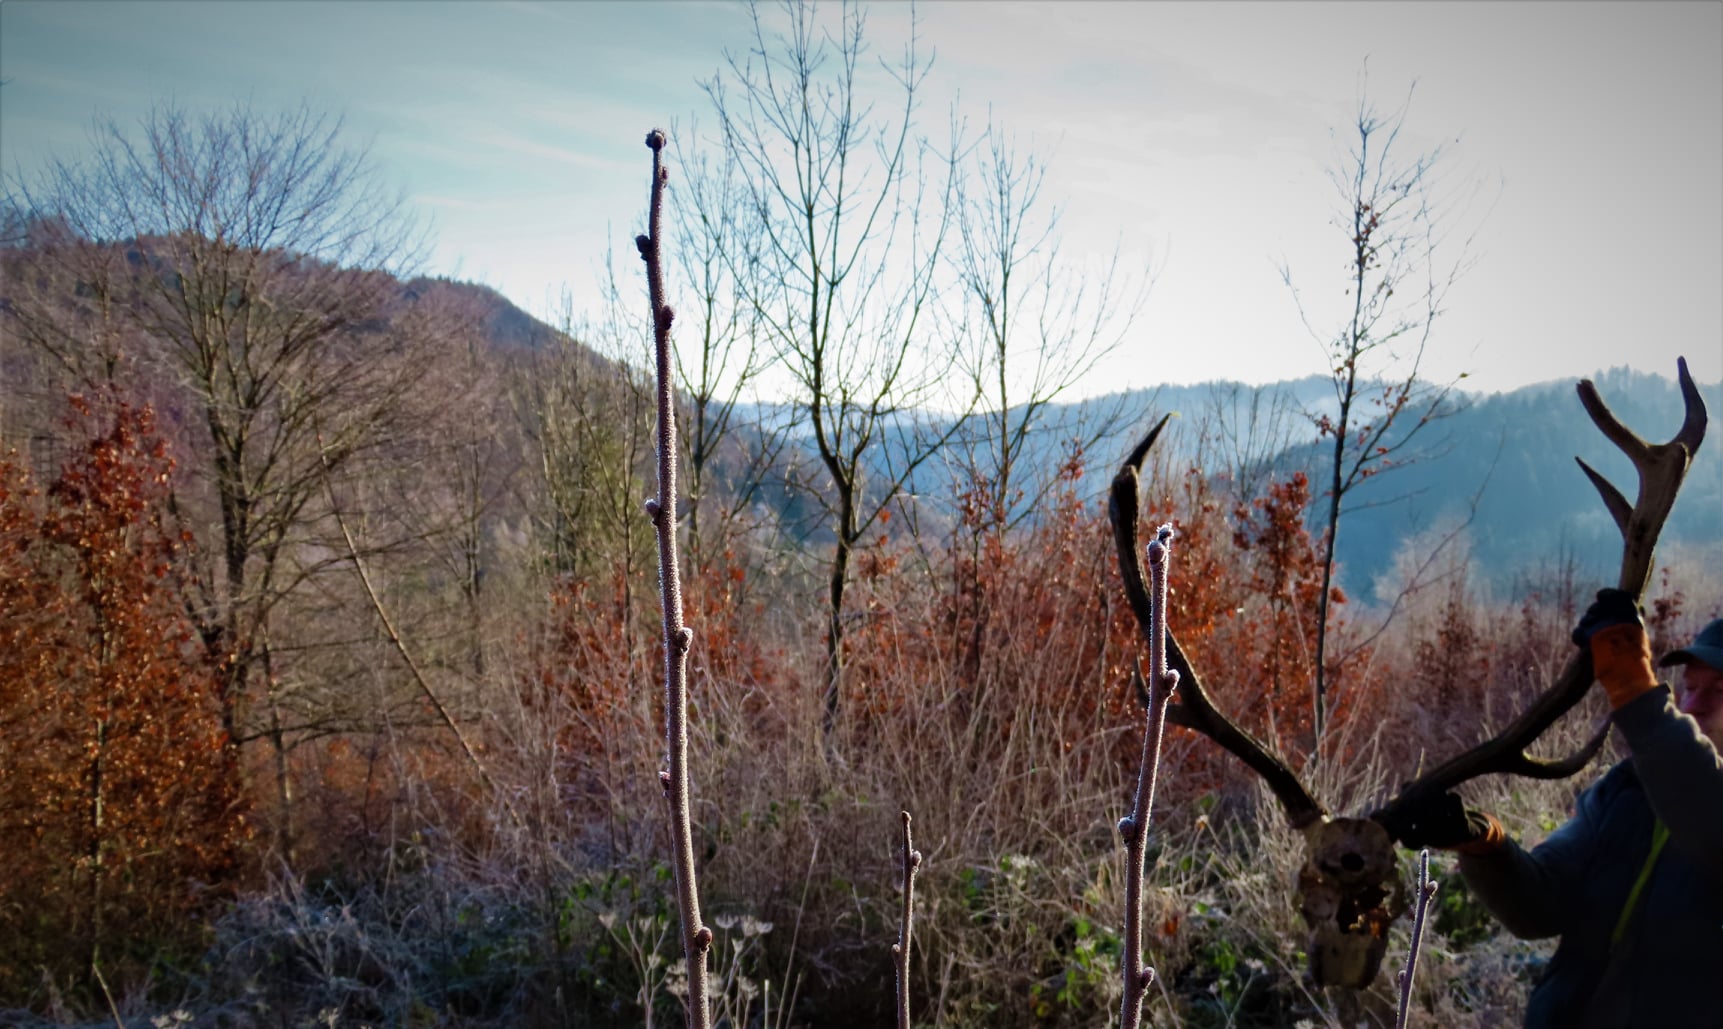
(1492, 839)
(1621, 658)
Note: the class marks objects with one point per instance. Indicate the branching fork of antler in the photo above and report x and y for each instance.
(1348, 888)
(1661, 468)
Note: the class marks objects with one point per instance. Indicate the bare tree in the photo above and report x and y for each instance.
(731, 449)
(1398, 225)
(1035, 322)
(586, 407)
(65, 305)
(256, 254)
(853, 208)
(1244, 430)
(456, 479)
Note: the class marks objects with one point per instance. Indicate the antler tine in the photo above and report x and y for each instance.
(1506, 753)
(1191, 705)
(1693, 423)
(1561, 768)
(1661, 468)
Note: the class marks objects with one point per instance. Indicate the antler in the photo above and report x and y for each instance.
(1661, 468)
(1192, 707)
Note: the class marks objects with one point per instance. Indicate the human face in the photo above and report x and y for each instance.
(1702, 697)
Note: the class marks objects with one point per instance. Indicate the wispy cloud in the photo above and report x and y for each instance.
(442, 202)
(539, 150)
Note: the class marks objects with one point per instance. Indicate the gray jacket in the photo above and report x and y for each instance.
(1667, 971)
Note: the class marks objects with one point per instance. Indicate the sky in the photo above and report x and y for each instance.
(1583, 143)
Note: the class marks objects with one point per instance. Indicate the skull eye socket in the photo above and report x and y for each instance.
(1352, 862)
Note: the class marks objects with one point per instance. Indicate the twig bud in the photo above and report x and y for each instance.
(1158, 546)
(915, 859)
(703, 939)
(685, 639)
(656, 139)
(1127, 829)
(666, 315)
(643, 243)
(652, 507)
(664, 781)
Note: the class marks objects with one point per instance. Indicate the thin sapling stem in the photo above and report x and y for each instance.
(696, 936)
(900, 949)
(1134, 828)
(1420, 911)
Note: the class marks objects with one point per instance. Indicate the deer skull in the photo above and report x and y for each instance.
(1349, 892)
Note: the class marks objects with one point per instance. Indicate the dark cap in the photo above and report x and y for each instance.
(1706, 648)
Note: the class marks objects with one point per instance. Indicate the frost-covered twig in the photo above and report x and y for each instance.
(696, 936)
(1420, 911)
(900, 949)
(1134, 828)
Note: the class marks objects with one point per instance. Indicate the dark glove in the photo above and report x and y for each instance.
(1611, 629)
(1441, 821)
(1612, 607)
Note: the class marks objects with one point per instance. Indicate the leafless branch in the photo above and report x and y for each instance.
(1426, 892)
(678, 638)
(900, 949)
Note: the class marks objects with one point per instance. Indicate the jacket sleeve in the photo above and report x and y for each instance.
(1531, 892)
(1680, 771)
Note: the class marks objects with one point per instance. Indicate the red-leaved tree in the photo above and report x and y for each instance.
(120, 802)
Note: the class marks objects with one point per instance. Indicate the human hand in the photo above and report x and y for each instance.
(1442, 821)
(1611, 608)
(1613, 632)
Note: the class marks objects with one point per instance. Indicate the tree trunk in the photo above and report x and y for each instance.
(839, 580)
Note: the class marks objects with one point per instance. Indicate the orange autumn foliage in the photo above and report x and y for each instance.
(1029, 624)
(120, 802)
(1019, 626)
(1243, 604)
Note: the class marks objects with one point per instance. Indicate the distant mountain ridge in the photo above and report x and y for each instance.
(1499, 465)
(1515, 453)
(1512, 455)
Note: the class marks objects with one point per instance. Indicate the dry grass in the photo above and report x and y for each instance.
(430, 906)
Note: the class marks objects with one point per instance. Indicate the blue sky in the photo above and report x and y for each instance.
(1198, 135)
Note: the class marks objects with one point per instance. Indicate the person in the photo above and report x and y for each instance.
(1633, 882)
